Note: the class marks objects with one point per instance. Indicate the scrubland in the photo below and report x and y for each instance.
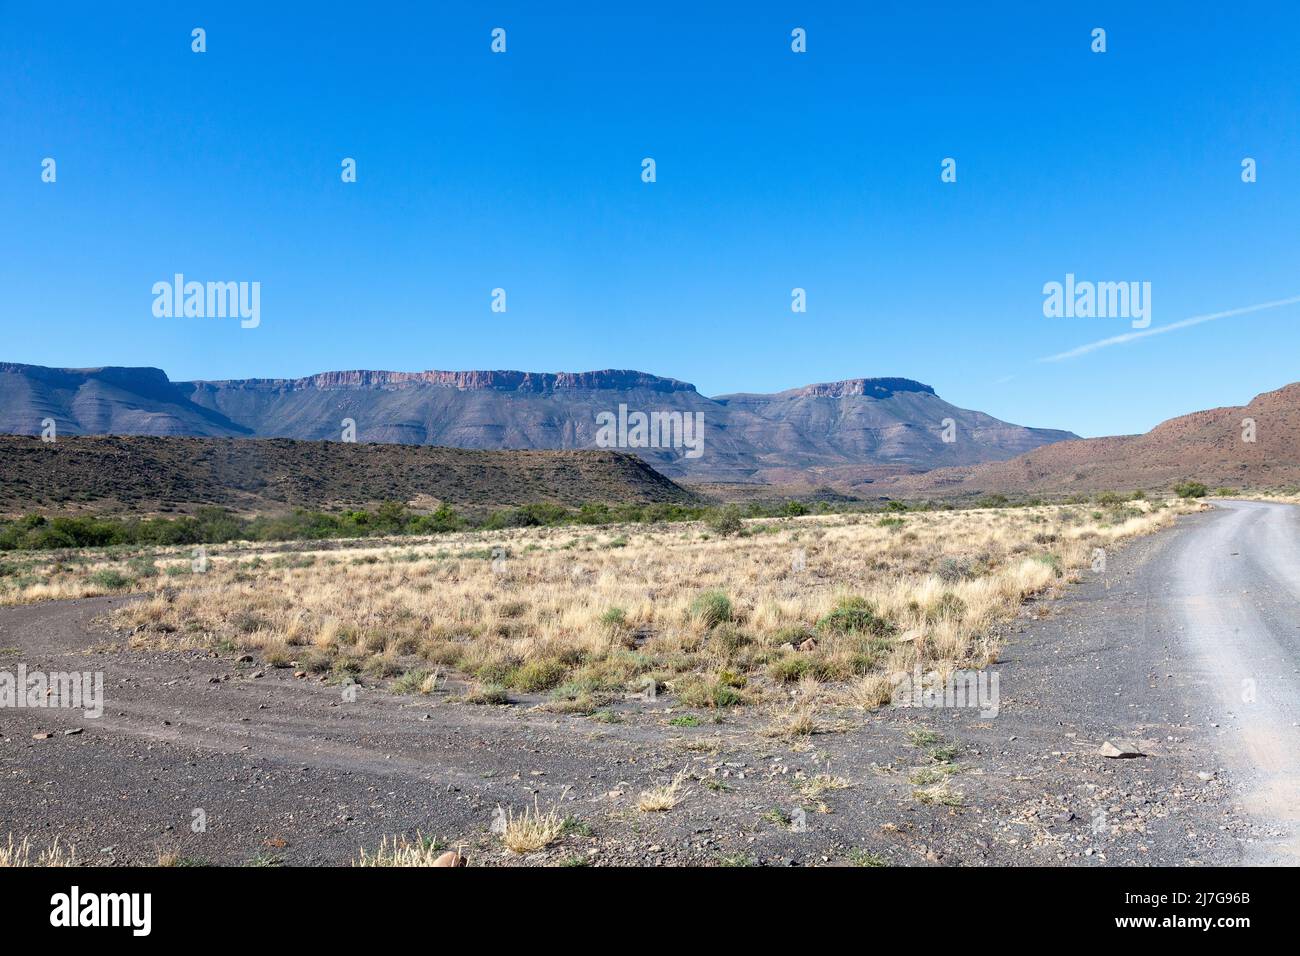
(718, 617)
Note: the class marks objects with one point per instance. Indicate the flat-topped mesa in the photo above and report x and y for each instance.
(114, 374)
(500, 380)
(870, 387)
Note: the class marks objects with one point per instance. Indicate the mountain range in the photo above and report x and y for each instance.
(874, 426)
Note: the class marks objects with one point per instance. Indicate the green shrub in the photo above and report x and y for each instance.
(952, 570)
(411, 682)
(706, 693)
(539, 675)
(1190, 489)
(725, 522)
(854, 615)
(791, 668)
(727, 639)
(711, 608)
(488, 694)
(112, 579)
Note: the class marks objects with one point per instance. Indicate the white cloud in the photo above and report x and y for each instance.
(1185, 323)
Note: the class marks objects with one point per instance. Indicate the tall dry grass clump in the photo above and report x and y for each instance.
(15, 853)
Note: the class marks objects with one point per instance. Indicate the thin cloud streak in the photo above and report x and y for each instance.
(1185, 323)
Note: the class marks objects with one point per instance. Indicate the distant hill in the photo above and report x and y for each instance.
(158, 474)
(1203, 446)
(890, 424)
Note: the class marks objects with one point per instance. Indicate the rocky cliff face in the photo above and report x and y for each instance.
(891, 423)
(469, 381)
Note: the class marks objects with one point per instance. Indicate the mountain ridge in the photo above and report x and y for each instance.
(885, 423)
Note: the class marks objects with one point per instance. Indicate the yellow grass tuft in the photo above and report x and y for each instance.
(20, 854)
(532, 830)
(399, 851)
(663, 798)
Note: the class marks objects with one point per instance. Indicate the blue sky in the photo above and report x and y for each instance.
(775, 170)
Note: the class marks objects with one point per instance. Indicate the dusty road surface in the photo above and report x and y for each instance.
(1159, 650)
(1234, 596)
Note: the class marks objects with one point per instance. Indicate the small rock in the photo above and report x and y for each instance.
(1122, 750)
(73, 732)
(450, 858)
(42, 736)
(808, 645)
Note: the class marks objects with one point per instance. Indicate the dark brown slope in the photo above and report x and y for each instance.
(150, 473)
(1204, 446)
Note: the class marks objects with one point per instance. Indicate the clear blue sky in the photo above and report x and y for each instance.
(775, 170)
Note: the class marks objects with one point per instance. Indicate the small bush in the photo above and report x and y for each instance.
(111, 579)
(791, 668)
(727, 639)
(711, 608)
(854, 615)
(412, 682)
(487, 694)
(726, 522)
(952, 570)
(540, 675)
(708, 693)
(1190, 489)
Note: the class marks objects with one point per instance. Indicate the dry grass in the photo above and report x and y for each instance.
(532, 830)
(822, 783)
(399, 851)
(20, 854)
(939, 794)
(798, 721)
(663, 798)
(586, 615)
